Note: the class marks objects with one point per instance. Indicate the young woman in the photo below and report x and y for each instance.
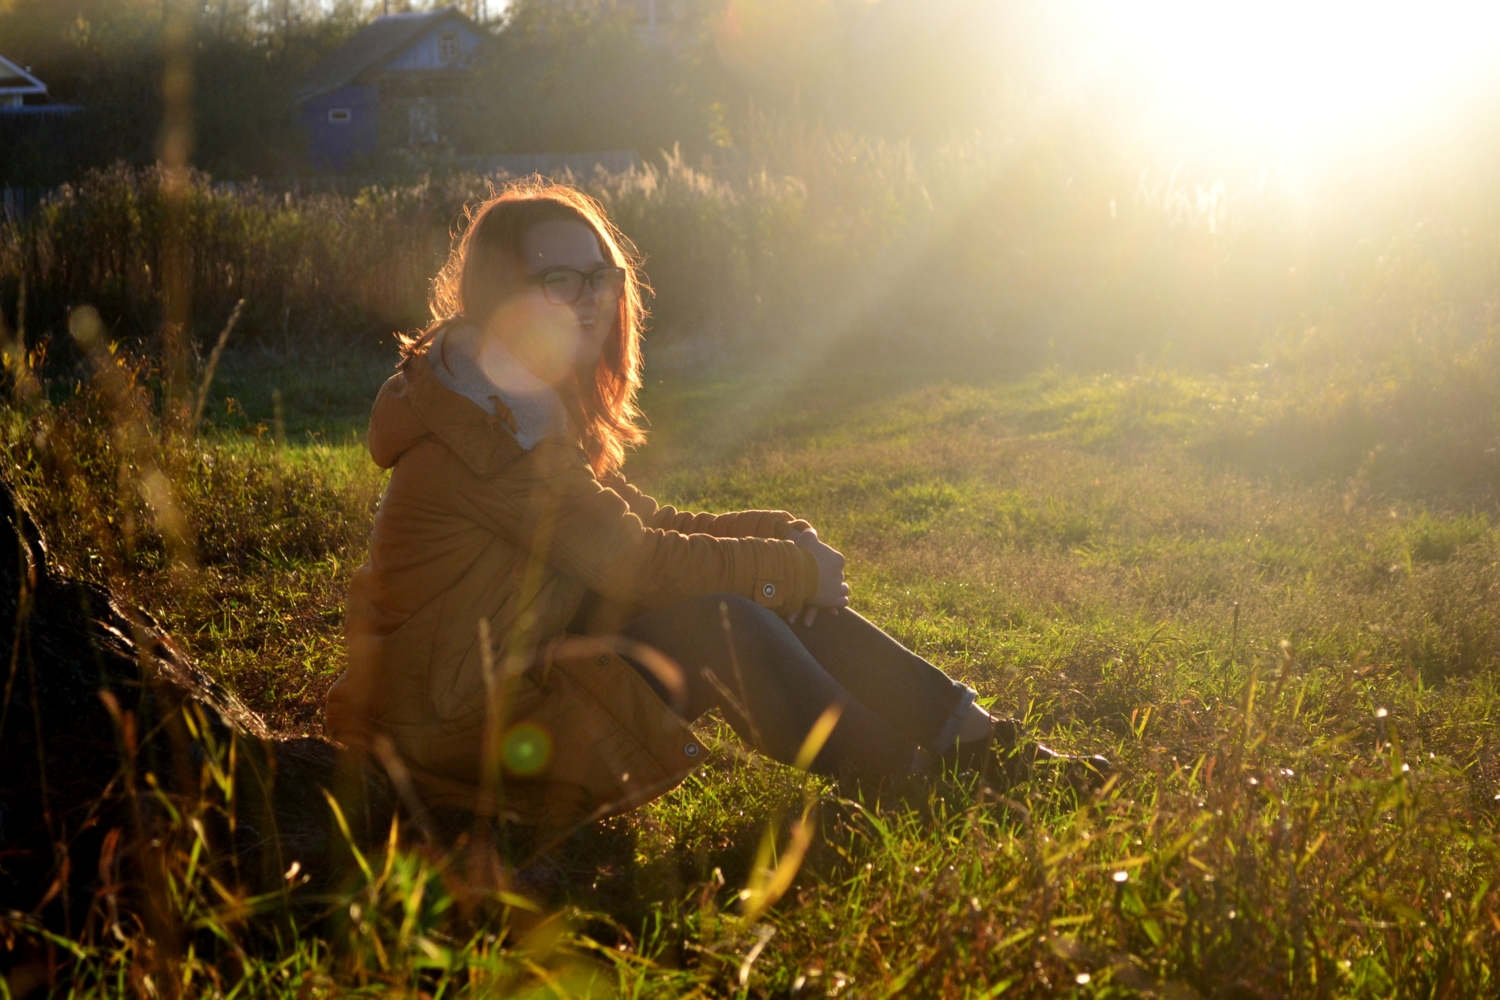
(531, 635)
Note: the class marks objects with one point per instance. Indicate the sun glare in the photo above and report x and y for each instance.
(1300, 73)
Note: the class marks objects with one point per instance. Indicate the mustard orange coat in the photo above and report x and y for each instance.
(477, 536)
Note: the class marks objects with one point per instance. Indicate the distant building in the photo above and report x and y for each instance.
(400, 81)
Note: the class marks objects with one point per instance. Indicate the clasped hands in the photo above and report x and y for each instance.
(833, 591)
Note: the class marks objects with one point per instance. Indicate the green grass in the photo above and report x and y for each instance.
(1295, 663)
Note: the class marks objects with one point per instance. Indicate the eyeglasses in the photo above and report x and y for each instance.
(563, 286)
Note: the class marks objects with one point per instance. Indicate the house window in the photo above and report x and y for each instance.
(340, 116)
(448, 46)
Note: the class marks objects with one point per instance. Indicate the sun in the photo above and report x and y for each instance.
(1299, 72)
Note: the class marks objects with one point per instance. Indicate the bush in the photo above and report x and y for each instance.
(303, 264)
(806, 236)
(124, 491)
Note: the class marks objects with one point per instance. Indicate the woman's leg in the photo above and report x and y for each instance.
(772, 687)
(926, 705)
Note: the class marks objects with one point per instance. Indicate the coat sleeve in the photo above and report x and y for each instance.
(739, 524)
(548, 502)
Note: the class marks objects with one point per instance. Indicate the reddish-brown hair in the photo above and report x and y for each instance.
(484, 271)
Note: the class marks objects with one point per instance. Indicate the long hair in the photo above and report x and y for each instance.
(483, 272)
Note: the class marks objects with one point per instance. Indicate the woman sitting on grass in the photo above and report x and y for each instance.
(532, 636)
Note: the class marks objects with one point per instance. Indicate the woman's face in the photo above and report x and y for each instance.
(548, 336)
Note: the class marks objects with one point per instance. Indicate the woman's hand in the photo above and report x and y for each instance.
(833, 592)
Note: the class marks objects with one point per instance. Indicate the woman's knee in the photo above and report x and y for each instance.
(740, 613)
(702, 624)
(739, 618)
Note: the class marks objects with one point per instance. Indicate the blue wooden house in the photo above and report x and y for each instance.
(400, 81)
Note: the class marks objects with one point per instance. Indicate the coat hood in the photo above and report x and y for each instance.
(394, 424)
(413, 405)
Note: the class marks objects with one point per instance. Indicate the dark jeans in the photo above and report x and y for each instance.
(772, 681)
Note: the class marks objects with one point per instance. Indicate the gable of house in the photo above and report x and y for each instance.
(16, 85)
(427, 41)
(448, 46)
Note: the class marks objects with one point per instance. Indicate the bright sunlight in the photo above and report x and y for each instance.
(1296, 74)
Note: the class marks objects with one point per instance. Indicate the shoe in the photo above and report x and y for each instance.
(1010, 756)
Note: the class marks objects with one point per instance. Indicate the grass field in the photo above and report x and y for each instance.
(1296, 665)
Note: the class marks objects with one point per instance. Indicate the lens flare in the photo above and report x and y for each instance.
(545, 337)
(527, 749)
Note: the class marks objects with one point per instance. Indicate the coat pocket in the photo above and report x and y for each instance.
(609, 736)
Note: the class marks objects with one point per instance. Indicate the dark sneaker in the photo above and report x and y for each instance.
(1010, 756)
(1084, 774)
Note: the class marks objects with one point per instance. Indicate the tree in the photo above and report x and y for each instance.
(584, 75)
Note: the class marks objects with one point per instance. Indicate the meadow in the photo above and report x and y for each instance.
(1294, 666)
(1194, 474)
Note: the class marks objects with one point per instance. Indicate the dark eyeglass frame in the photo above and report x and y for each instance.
(617, 277)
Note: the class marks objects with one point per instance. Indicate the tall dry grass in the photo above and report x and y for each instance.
(1060, 242)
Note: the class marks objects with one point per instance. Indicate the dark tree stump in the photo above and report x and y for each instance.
(104, 718)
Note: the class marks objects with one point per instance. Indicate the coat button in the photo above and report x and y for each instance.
(769, 590)
(603, 659)
(691, 749)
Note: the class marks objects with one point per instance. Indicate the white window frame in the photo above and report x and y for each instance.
(448, 47)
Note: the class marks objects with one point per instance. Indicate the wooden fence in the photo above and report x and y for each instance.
(18, 202)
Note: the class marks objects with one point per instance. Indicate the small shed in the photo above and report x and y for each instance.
(400, 81)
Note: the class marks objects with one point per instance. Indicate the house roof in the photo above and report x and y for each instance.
(374, 43)
(15, 80)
